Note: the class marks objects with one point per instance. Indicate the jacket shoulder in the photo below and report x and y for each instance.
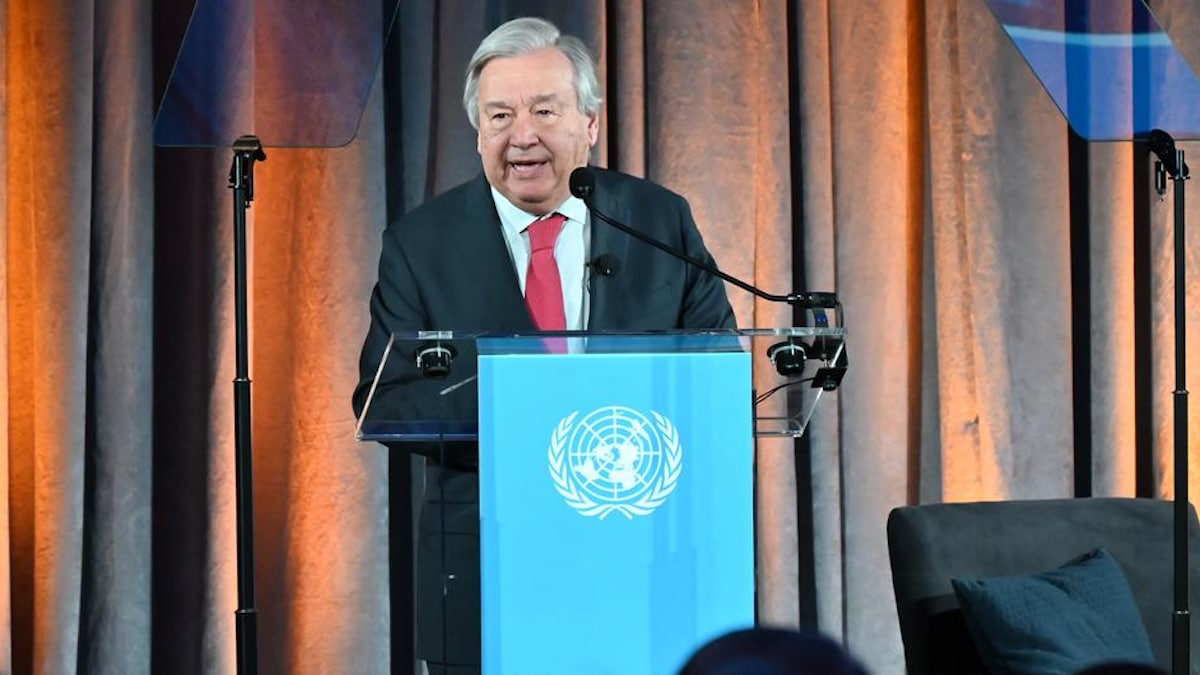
(451, 205)
(633, 187)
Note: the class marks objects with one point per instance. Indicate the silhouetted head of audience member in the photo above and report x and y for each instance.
(1120, 668)
(772, 651)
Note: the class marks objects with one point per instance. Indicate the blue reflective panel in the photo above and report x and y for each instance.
(292, 72)
(1109, 66)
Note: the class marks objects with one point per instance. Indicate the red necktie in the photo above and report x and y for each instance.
(543, 286)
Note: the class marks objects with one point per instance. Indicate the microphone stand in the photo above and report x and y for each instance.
(246, 150)
(1170, 164)
(788, 356)
(803, 300)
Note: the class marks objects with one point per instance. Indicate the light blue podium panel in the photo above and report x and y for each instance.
(616, 507)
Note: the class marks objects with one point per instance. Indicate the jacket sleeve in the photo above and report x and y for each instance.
(398, 305)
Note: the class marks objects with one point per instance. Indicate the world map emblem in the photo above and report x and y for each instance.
(615, 460)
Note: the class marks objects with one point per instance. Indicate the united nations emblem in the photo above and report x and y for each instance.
(615, 459)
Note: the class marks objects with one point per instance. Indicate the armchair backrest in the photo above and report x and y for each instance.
(930, 544)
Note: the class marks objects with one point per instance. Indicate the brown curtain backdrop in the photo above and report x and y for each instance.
(898, 152)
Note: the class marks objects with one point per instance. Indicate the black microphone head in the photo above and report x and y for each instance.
(583, 182)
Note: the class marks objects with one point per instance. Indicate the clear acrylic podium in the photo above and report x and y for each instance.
(435, 406)
(616, 480)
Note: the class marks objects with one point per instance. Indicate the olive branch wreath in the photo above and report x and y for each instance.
(561, 475)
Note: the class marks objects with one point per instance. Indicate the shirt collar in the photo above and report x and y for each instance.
(514, 219)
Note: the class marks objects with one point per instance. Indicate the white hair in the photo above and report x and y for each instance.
(524, 36)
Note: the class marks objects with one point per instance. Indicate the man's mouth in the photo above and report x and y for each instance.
(527, 167)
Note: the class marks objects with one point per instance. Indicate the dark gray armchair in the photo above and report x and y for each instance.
(930, 544)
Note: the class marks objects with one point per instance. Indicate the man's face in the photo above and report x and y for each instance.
(531, 132)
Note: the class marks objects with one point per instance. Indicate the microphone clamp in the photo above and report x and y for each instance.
(788, 357)
(434, 359)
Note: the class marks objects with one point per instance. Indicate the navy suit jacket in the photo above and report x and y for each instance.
(445, 266)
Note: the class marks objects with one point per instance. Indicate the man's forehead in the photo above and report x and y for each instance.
(545, 65)
(525, 99)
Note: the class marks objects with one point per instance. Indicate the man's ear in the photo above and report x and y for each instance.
(593, 129)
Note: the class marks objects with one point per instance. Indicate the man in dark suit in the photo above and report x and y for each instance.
(469, 260)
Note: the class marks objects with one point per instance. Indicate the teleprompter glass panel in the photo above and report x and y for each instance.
(291, 72)
(1111, 69)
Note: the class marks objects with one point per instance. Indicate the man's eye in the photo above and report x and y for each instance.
(544, 112)
(499, 117)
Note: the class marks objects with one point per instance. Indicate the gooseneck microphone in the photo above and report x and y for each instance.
(583, 186)
(789, 356)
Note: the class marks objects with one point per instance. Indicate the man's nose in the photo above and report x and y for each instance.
(523, 132)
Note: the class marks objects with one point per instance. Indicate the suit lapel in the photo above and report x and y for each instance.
(604, 312)
(480, 244)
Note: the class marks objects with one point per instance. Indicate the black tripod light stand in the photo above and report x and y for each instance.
(1170, 165)
(246, 151)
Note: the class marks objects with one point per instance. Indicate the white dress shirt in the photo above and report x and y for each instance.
(570, 251)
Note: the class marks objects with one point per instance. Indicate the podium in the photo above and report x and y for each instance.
(616, 481)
